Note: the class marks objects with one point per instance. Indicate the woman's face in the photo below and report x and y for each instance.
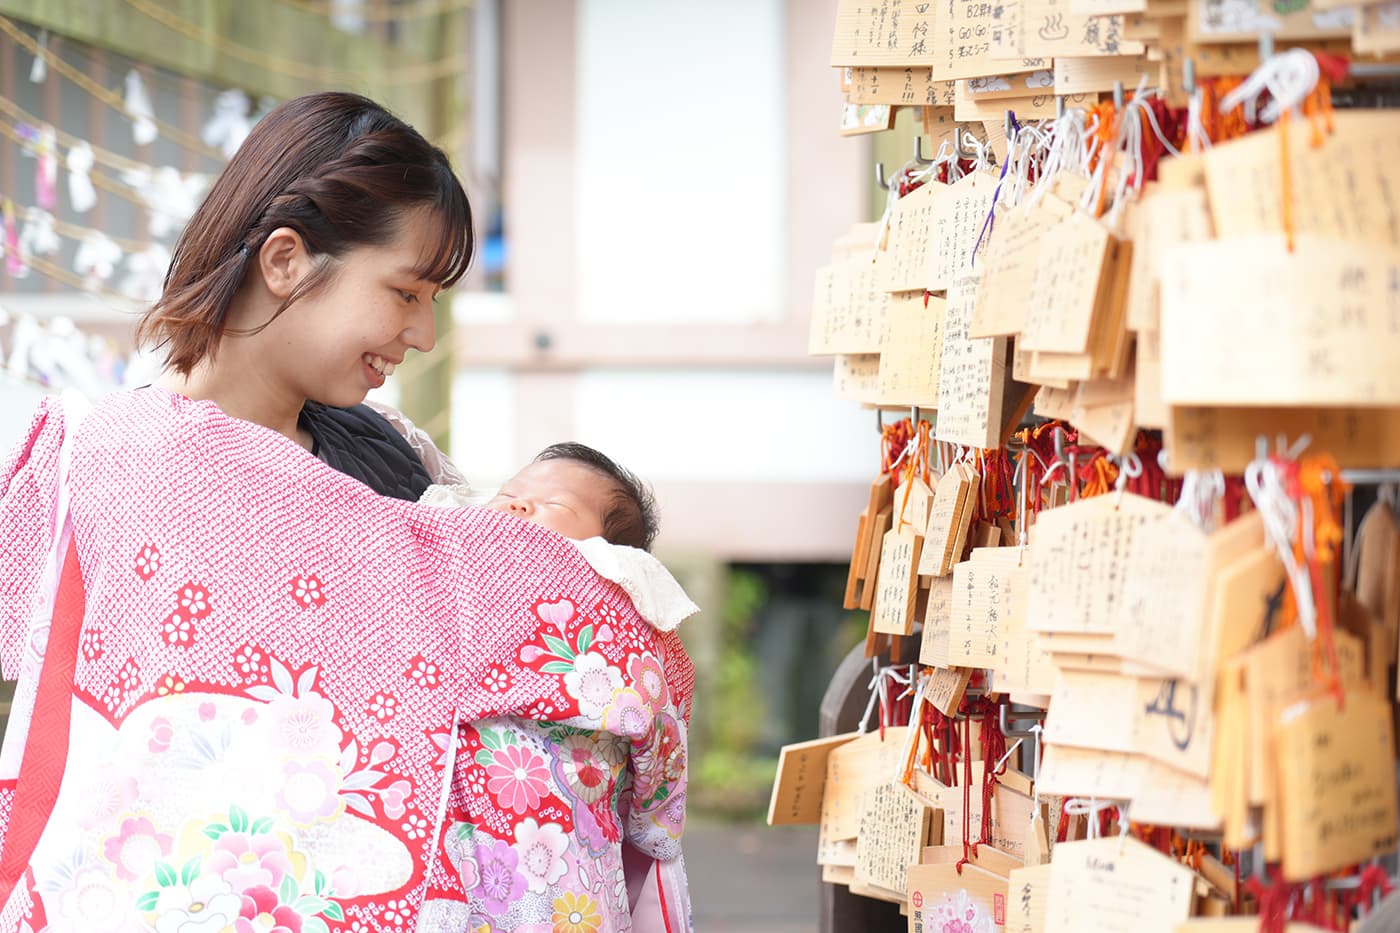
(339, 342)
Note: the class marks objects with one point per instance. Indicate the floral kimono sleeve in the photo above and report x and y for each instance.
(656, 815)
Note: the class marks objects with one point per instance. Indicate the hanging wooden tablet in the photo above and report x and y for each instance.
(1099, 73)
(1011, 812)
(959, 211)
(1217, 21)
(1011, 90)
(1009, 259)
(938, 617)
(1230, 773)
(910, 368)
(905, 87)
(1064, 292)
(855, 575)
(1322, 323)
(1167, 217)
(856, 377)
(1094, 536)
(854, 768)
(975, 373)
(902, 265)
(801, 780)
(984, 592)
(1337, 783)
(1027, 667)
(1029, 890)
(1093, 711)
(881, 524)
(1124, 885)
(1037, 845)
(1346, 188)
(1050, 29)
(1278, 674)
(1210, 437)
(1070, 771)
(1149, 411)
(858, 580)
(1103, 411)
(963, 50)
(1030, 105)
(866, 36)
(897, 586)
(848, 309)
(1377, 29)
(947, 688)
(1168, 797)
(941, 897)
(949, 499)
(967, 508)
(894, 828)
(1164, 597)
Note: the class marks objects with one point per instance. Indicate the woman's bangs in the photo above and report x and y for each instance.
(448, 262)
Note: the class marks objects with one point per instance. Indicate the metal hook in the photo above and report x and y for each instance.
(1006, 730)
(958, 152)
(1188, 76)
(1010, 126)
(1118, 95)
(919, 151)
(1059, 107)
(1266, 46)
(880, 176)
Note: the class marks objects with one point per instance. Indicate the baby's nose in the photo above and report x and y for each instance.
(521, 506)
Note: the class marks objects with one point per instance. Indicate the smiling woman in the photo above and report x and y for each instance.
(339, 208)
(250, 683)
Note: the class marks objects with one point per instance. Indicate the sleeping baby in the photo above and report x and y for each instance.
(632, 873)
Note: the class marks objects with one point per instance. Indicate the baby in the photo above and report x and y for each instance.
(598, 873)
(580, 493)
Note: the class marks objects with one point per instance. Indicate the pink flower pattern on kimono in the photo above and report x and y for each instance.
(517, 778)
(304, 726)
(162, 733)
(246, 861)
(262, 912)
(628, 714)
(136, 849)
(541, 851)
(650, 681)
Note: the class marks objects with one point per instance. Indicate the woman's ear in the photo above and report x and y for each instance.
(283, 261)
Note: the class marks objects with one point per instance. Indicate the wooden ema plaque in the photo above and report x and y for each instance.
(1337, 783)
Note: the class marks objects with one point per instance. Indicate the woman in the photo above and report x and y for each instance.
(244, 674)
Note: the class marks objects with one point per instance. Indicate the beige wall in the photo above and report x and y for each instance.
(806, 514)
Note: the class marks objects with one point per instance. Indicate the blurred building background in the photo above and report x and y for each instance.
(655, 183)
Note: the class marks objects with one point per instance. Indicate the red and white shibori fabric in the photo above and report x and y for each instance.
(267, 666)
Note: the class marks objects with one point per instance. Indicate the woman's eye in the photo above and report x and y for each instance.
(407, 296)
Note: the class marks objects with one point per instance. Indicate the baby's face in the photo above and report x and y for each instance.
(562, 495)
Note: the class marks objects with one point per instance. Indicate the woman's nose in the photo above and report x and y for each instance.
(421, 332)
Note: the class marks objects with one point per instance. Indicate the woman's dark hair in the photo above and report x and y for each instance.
(631, 516)
(338, 169)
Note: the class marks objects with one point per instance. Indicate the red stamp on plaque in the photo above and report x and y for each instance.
(999, 909)
(918, 899)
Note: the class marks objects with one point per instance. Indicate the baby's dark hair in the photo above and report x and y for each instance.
(631, 515)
